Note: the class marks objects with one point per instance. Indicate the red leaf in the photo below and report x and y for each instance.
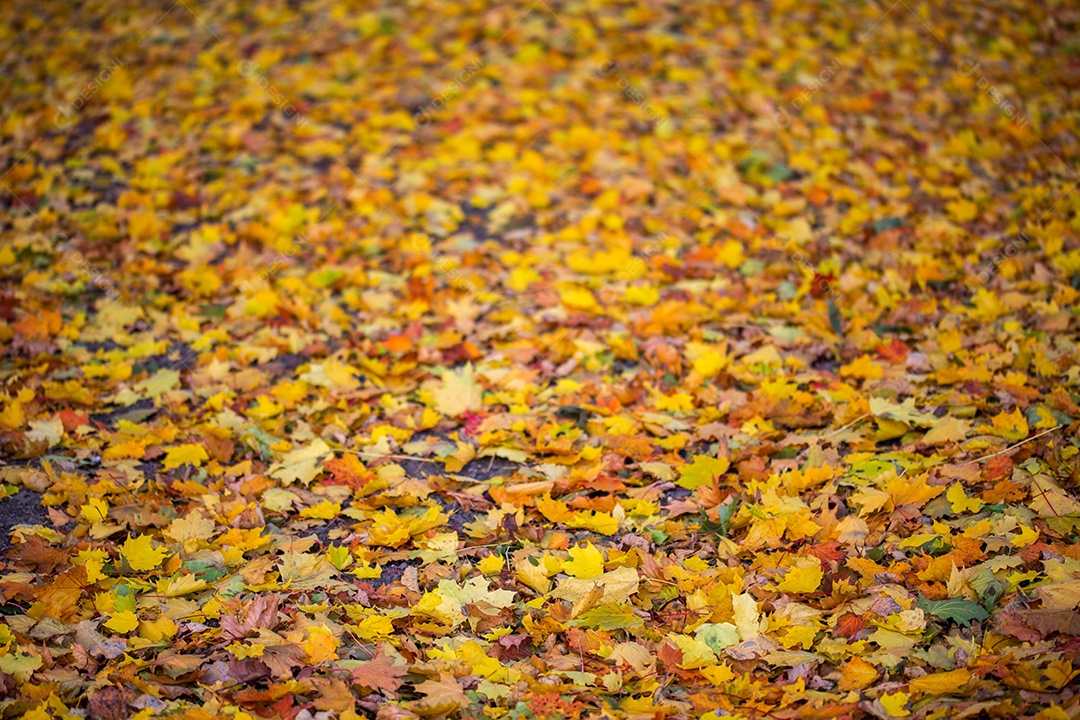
(848, 625)
(670, 655)
(895, 352)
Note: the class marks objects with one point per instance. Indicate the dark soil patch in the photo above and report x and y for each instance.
(136, 412)
(286, 363)
(22, 508)
(459, 517)
(420, 468)
(322, 532)
(483, 468)
(487, 468)
(392, 572)
(677, 493)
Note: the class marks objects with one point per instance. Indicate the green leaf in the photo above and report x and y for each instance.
(962, 612)
(779, 172)
(125, 597)
(20, 666)
(262, 440)
(835, 319)
(887, 224)
(724, 514)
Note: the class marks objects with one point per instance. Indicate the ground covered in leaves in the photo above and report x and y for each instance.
(563, 359)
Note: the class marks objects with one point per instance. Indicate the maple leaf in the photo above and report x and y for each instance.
(618, 584)
(702, 471)
(320, 645)
(941, 683)
(302, 464)
(947, 429)
(627, 386)
(1011, 426)
(189, 454)
(141, 554)
(260, 612)
(609, 616)
(458, 393)
(348, 470)
(305, 571)
(804, 577)
(122, 622)
(193, 526)
(694, 653)
(962, 210)
(584, 562)
(904, 412)
(443, 695)
(848, 625)
(895, 352)
(895, 704)
(960, 502)
(857, 674)
(381, 674)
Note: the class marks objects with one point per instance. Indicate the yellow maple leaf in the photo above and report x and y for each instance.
(341, 375)
(947, 429)
(12, 416)
(157, 630)
(710, 363)
(646, 296)
(911, 491)
(533, 576)
(95, 510)
(941, 683)
(598, 522)
(325, 510)
(730, 254)
(871, 500)
(94, 562)
(804, 577)
(242, 651)
(189, 454)
(193, 526)
(122, 622)
(373, 627)
(895, 704)
(1027, 536)
(746, 615)
(718, 674)
(862, 368)
(458, 393)
(857, 673)
(702, 471)
(960, 501)
(320, 645)
(491, 565)
(577, 297)
(141, 554)
(553, 510)
(619, 585)
(262, 303)
(301, 464)
(1011, 426)
(584, 562)
(962, 210)
(695, 653)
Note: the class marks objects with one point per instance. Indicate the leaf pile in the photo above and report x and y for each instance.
(540, 360)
